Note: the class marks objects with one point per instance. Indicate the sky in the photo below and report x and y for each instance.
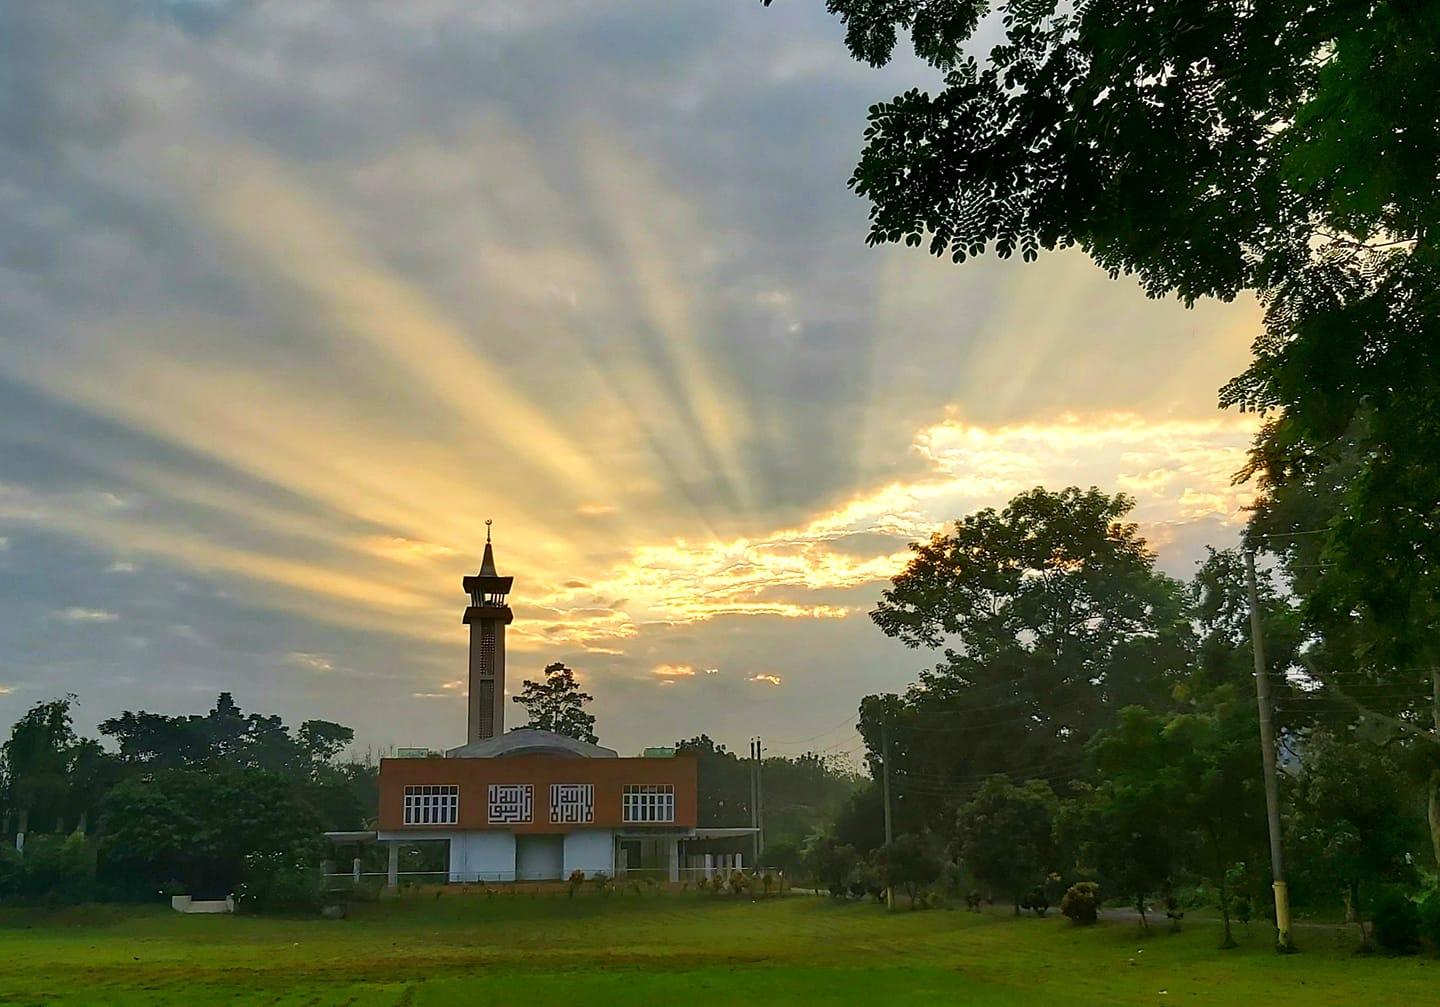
(295, 295)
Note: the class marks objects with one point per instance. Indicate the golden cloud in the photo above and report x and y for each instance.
(673, 671)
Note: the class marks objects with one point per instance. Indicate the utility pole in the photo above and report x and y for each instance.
(889, 831)
(1267, 755)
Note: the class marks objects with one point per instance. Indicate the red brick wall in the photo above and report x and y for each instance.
(474, 776)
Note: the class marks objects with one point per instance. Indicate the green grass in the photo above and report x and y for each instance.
(676, 950)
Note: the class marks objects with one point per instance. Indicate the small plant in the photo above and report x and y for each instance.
(601, 881)
(737, 882)
(577, 878)
(973, 899)
(1081, 903)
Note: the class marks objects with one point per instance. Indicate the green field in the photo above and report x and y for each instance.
(678, 949)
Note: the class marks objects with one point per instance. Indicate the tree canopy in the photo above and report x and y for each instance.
(558, 704)
(1212, 149)
(1051, 617)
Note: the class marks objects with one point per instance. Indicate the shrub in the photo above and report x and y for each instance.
(279, 882)
(1395, 921)
(53, 870)
(1036, 901)
(1430, 916)
(1081, 903)
(577, 878)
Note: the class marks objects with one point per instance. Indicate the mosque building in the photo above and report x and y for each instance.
(529, 805)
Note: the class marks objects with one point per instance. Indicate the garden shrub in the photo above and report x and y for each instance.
(1395, 922)
(1081, 903)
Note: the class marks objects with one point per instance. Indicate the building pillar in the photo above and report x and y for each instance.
(709, 866)
(392, 869)
(674, 860)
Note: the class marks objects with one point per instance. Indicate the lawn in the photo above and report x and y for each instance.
(680, 949)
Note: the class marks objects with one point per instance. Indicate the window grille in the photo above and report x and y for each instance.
(649, 803)
(432, 804)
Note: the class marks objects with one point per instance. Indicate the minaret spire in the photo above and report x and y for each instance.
(487, 616)
(487, 562)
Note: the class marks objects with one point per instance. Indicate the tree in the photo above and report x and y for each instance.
(1052, 617)
(558, 705)
(1350, 829)
(198, 826)
(723, 782)
(1125, 827)
(1006, 835)
(37, 761)
(1211, 149)
(830, 863)
(908, 862)
(1200, 769)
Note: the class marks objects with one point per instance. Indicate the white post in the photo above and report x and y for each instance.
(355, 867)
(674, 860)
(709, 866)
(392, 870)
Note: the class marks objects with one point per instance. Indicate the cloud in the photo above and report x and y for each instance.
(764, 679)
(303, 300)
(5, 690)
(86, 615)
(4, 543)
(314, 662)
(673, 671)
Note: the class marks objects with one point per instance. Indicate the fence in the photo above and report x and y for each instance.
(659, 875)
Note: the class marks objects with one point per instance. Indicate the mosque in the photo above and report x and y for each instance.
(530, 805)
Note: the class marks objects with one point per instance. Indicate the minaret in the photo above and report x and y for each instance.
(487, 616)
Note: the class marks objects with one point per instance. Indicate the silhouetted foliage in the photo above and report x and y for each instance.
(558, 704)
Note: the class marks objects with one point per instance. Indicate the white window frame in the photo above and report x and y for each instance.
(648, 804)
(432, 804)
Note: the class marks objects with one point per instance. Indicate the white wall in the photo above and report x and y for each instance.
(591, 851)
(539, 857)
(482, 856)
